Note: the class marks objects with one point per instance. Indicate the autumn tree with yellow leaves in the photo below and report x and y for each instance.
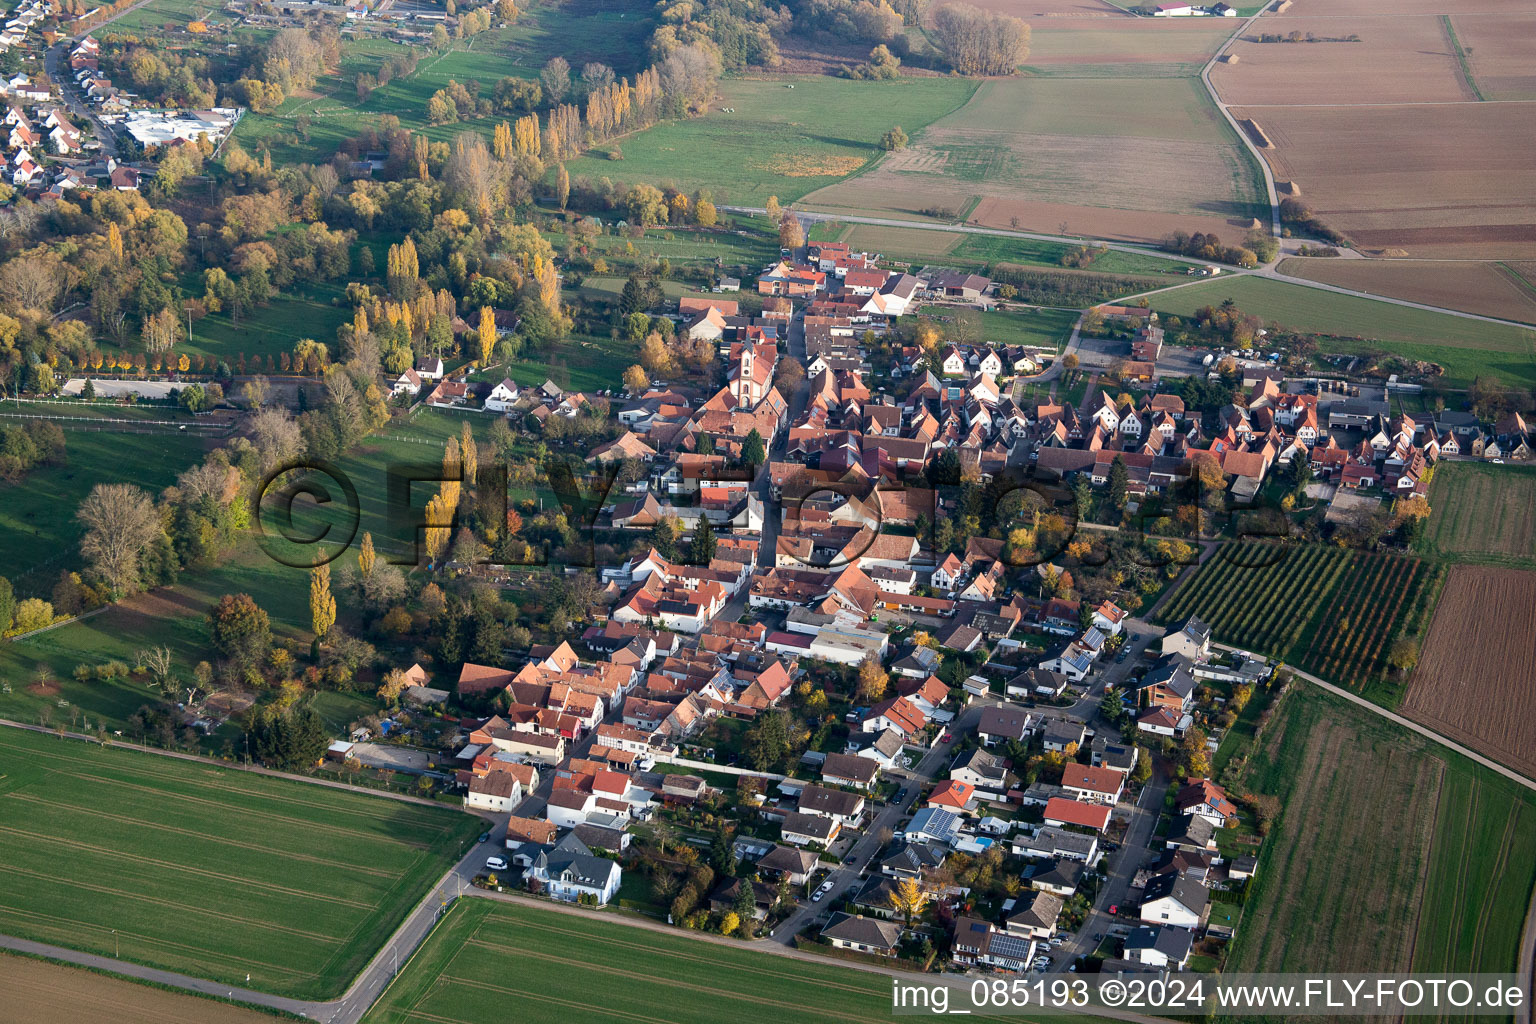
(487, 335)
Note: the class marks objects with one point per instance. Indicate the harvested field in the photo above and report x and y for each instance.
(1399, 8)
(1438, 180)
(1482, 513)
(1118, 158)
(1499, 49)
(46, 993)
(1063, 45)
(899, 242)
(1397, 60)
(1482, 288)
(1476, 680)
(1391, 854)
(1100, 222)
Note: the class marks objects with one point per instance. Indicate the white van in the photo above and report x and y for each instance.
(496, 863)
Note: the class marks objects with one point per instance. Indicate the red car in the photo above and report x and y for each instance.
(949, 737)
(1114, 908)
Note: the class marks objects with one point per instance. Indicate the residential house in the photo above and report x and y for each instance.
(932, 824)
(1159, 946)
(1192, 640)
(1061, 734)
(1092, 785)
(1034, 915)
(1002, 723)
(805, 829)
(951, 795)
(984, 772)
(1060, 876)
(796, 865)
(862, 934)
(570, 871)
(977, 942)
(847, 809)
(1192, 832)
(1209, 801)
(850, 770)
(1057, 842)
(1175, 900)
(1060, 812)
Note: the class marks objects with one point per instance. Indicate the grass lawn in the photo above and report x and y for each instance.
(307, 311)
(206, 873)
(39, 535)
(784, 136)
(1391, 853)
(555, 967)
(581, 362)
(1482, 513)
(1037, 328)
(1466, 348)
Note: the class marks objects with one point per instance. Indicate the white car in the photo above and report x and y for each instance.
(817, 895)
(496, 863)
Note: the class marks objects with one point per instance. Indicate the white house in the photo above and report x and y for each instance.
(1157, 946)
(497, 791)
(503, 396)
(408, 383)
(1174, 899)
(570, 871)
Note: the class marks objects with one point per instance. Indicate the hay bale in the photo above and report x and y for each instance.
(1394, 254)
(1230, 58)
(1282, 6)
(1257, 133)
(1289, 188)
(1254, 224)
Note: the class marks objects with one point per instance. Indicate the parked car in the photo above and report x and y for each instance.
(1125, 652)
(817, 895)
(496, 863)
(949, 737)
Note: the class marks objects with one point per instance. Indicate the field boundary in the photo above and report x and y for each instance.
(1407, 723)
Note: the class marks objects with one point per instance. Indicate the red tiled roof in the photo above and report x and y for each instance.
(1073, 812)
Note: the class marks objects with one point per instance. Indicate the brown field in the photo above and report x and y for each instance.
(1476, 680)
(1437, 180)
(900, 241)
(1481, 288)
(1099, 222)
(37, 992)
(1397, 60)
(1499, 48)
(1342, 8)
(1111, 157)
(1063, 42)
